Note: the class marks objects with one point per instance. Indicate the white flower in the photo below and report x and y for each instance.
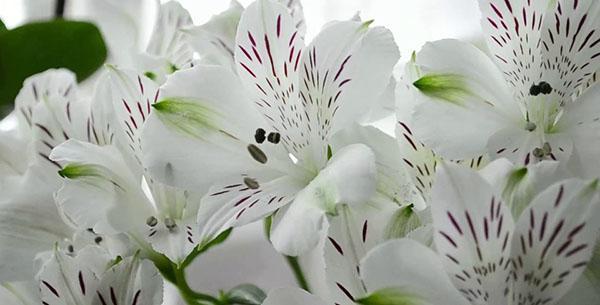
(107, 187)
(294, 98)
(486, 257)
(524, 102)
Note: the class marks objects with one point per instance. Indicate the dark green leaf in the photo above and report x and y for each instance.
(2, 26)
(36, 47)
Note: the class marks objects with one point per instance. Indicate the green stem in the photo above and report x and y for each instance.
(188, 294)
(292, 261)
(297, 270)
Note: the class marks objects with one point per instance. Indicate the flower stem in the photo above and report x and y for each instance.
(297, 270)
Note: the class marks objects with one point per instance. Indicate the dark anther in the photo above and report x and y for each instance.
(534, 90)
(538, 153)
(274, 137)
(546, 148)
(152, 221)
(545, 88)
(90, 230)
(257, 153)
(98, 239)
(259, 135)
(170, 224)
(251, 183)
(530, 126)
(71, 249)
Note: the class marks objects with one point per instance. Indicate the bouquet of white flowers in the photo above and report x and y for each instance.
(488, 193)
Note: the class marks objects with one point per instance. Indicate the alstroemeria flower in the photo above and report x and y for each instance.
(523, 102)
(263, 134)
(91, 277)
(107, 187)
(483, 256)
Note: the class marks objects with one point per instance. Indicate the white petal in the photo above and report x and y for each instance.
(215, 40)
(208, 114)
(267, 58)
(473, 230)
(66, 280)
(99, 190)
(466, 97)
(19, 293)
(349, 178)
(291, 296)
(243, 199)
(49, 105)
(167, 40)
(132, 281)
(29, 223)
(393, 181)
(350, 236)
(554, 239)
(411, 267)
(132, 97)
(177, 243)
(580, 123)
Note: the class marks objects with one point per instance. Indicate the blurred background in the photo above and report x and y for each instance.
(247, 256)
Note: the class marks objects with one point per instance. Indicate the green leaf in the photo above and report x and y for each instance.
(392, 296)
(246, 294)
(2, 26)
(36, 47)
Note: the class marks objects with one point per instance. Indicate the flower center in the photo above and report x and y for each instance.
(542, 108)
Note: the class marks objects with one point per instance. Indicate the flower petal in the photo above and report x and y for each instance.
(554, 239)
(132, 281)
(65, 280)
(393, 181)
(215, 40)
(350, 236)
(167, 40)
(99, 191)
(349, 178)
(268, 55)
(465, 94)
(243, 199)
(411, 267)
(204, 110)
(338, 81)
(29, 224)
(19, 293)
(473, 227)
(581, 124)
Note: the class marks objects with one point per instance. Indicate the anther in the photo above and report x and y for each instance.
(257, 153)
(151, 221)
(170, 224)
(259, 136)
(534, 90)
(98, 239)
(251, 183)
(274, 137)
(547, 149)
(538, 153)
(545, 88)
(70, 248)
(530, 126)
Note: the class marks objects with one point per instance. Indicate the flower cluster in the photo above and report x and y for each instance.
(487, 194)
